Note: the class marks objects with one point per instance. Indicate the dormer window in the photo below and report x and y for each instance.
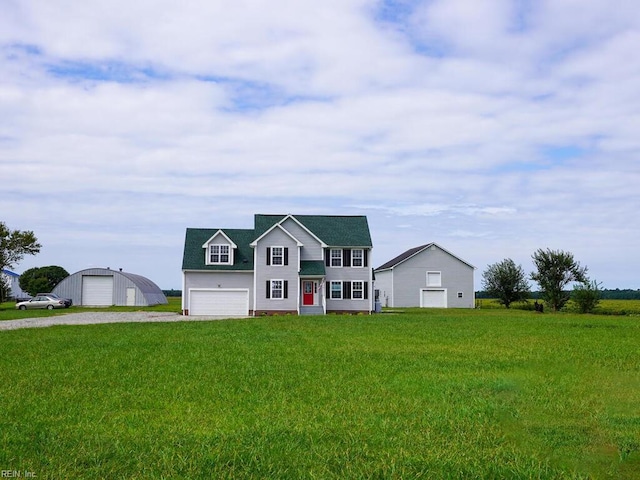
(219, 254)
(219, 249)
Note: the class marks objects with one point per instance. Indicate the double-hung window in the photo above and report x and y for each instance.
(336, 290)
(357, 289)
(276, 289)
(336, 257)
(357, 257)
(277, 255)
(219, 254)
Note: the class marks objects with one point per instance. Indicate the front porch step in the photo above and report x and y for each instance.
(312, 310)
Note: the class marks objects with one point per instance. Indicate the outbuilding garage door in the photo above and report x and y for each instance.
(434, 299)
(97, 290)
(234, 303)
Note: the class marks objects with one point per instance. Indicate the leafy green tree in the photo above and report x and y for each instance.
(555, 269)
(506, 281)
(586, 296)
(15, 244)
(42, 279)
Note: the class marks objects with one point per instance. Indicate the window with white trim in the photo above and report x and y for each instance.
(336, 257)
(357, 290)
(357, 256)
(434, 279)
(336, 290)
(459, 294)
(277, 255)
(277, 289)
(219, 254)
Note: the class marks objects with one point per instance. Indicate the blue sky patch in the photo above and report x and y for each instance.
(105, 72)
(562, 153)
(248, 96)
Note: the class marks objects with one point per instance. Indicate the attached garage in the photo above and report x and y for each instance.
(433, 298)
(103, 287)
(231, 302)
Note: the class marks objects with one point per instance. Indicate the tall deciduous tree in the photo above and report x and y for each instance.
(555, 269)
(506, 281)
(15, 244)
(42, 279)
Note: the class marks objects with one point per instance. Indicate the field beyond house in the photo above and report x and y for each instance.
(417, 394)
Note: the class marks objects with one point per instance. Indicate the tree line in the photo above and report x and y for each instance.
(605, 294)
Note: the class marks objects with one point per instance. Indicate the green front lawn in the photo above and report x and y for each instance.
(8, 310)
(421, 394)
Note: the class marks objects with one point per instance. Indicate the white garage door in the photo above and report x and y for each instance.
(234, 303)
(434, 298)
(97, 290)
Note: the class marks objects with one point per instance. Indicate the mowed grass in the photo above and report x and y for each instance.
(420, 394)
(8, 310)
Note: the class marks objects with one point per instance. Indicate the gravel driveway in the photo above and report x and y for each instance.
(88, 318)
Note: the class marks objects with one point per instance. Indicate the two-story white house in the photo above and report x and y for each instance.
(299, 264)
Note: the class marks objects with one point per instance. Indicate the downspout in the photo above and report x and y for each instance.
(184, 292)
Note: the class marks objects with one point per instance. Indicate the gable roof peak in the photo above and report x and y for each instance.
(276, 225)
(414, 251)
(221, 233)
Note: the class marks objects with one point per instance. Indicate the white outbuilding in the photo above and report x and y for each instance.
(103, 287)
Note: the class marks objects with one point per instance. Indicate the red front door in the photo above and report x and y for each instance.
(307, 292)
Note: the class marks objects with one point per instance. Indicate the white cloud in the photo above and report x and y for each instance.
(493, 128)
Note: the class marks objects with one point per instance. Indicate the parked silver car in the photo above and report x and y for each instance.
(42, 301)
(67, 301)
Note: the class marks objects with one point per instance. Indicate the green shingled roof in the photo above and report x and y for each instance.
(312, 268)
(194, 255)
(333, 230)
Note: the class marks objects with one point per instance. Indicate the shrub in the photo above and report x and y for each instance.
(586, 296)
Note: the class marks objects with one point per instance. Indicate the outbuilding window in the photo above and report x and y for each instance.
(434, 279)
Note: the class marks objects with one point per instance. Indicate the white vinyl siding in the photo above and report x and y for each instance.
(207, 281)
(432, 268)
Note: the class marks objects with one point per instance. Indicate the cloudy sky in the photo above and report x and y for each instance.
(492, 127)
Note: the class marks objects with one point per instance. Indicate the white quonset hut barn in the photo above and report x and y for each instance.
(103, 287)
